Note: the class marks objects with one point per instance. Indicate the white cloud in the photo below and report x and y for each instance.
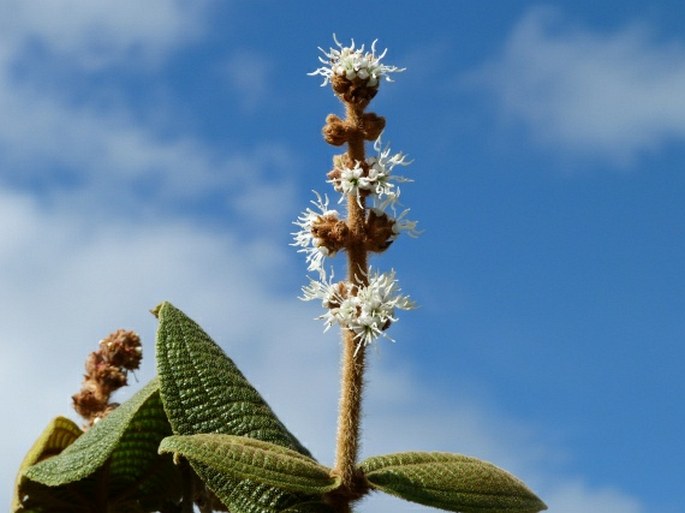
(107, 153)
(610, 95)
(100, 32)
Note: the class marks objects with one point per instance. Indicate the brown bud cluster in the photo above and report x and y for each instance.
(331, 232)
(107, 371)
(355, 92)
(337, 131)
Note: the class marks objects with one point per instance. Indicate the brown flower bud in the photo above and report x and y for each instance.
(373, 126)
(122, 349)
(331, 233)
(354, 92)
(379, 231)
(336, 131)
(106, 371)
(88, 404)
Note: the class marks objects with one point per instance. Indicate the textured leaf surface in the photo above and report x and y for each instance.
(450, 481)
(92, 450)
(116, 461)
(204, 392)
(57, 436)
(247, 458)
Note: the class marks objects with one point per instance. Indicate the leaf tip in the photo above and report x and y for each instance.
(157, 309)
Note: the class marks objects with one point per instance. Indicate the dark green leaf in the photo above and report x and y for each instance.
(450, 481)
(202, 389)
(118, 455)
(247, 458)
(204, 392)
(92, 450)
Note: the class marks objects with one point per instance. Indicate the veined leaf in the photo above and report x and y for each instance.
(247, 458)
(202, 389)
(204, 392)
(451, 482)
(94, 448)
(58, 435)
(118, 455)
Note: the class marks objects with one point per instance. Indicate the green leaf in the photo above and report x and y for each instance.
(204, 392)
(118, 455)
(93, 449)
(59, 434)
(202, 389)
(451, 482)
(247, 458)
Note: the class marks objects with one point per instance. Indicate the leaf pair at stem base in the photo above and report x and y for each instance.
(272, 456)
(204, 409)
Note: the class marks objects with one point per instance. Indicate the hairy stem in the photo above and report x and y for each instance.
(349, 419)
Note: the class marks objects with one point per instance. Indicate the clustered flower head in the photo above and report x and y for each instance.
(366, 310)
(354, 65)
(364, 304)
(321, 234)
(371, 178)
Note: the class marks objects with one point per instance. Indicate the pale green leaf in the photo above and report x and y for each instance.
(451, 482)
(57, 436)
(247, 458)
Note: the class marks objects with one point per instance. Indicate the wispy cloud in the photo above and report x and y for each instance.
(100, 33)
(611, 95)
(249, 73)
(88, 155)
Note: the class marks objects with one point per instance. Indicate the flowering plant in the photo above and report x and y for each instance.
(199, 434)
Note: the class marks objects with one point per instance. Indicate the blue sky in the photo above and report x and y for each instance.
(161, 151)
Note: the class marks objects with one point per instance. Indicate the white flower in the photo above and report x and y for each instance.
(313, 247)
(354, 64)
(399, 223)
(379, 182)
(368, 313)
(378, 302)
(382, 181)
(330, 295)
(350, 182)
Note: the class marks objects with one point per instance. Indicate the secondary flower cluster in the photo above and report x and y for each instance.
(372, 177)
(354, 64)
(365, 304)
(311, 223)
(367, 311)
